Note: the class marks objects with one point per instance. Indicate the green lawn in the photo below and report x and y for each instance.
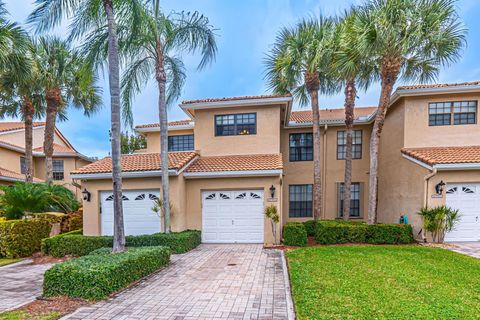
(384, 282)
(22, 315)
(5, 261)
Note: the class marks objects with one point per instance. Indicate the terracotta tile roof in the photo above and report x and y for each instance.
(170, 124)
(57, 149)
(12, 175)
(10, 126)
(439, 85)
(237, 163)
(444, 155)
(329, 114)
(139, 162)
(8, 144)
(236, 98)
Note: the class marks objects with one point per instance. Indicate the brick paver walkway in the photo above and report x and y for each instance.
(468, 248)
(20, 283)
(210, 282)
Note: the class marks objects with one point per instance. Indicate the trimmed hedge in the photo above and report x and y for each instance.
(22, 238)
(94, 277)
(337, 232)
(79, 245)
(294, 234)
(310, 227)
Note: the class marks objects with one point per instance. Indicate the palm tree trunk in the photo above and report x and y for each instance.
(114, 81)
(53, 98)
(28, 112)
(161, 78)
(350, 95)
(389, 74)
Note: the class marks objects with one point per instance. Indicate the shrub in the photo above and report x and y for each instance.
(79, 245)
(336, 232)
(310, 227)
(23, 198)
(294, 234)
(439, 220)
(94, 277)
(21, 238)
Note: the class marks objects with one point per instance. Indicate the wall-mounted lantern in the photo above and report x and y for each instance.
(272, 191)
(439, 187)
(86, 195)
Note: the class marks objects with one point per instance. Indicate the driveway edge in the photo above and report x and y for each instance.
(286, 278)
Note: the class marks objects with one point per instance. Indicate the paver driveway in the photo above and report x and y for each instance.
(468, 248)
(20, 283)
(210, 282)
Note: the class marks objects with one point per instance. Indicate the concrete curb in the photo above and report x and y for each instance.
(290, 306)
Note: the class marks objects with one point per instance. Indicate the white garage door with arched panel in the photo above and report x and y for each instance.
(137, 212)
(466, 198)
(232, 216)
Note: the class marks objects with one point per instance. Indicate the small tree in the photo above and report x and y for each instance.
(271, 213)
(439, 220)
(132, 142)
(159, 209)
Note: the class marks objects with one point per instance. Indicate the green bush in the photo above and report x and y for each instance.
(294, 234)
(310, 227)
(21, 238)
(79, 245)
(336, 232)
(94, 277)
(24, 197)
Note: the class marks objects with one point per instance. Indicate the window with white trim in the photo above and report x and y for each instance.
(58, 170)
(442, 113)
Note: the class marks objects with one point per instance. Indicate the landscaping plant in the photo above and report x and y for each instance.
(271, 213)
(294, 234)
(438, 221)
(21, 238)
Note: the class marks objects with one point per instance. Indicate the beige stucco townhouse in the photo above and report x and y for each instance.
(235, 156)
(12, 156)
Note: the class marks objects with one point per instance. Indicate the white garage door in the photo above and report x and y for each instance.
(465, 198)
(137, 212)
(232, 216)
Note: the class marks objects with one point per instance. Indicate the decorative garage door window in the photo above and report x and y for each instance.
(233, 195)
(211, 196)
(110, 198)
(152, 197)
(467, 190)
(452, 190)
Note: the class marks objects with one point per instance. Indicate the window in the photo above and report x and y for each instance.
(23, 165)
(236, 124)
(301, 147)
(442, 113)
(301, 204)
(58, 172)
(342, 144)
(354, 200)
(180, 143)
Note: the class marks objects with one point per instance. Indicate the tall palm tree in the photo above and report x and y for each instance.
(23, 96)
(408, 39)
(67, 80)
(299, 63)
(154, 53)
(13, 39)
(355, 70)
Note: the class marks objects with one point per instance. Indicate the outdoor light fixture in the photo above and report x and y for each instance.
(439, 187)
(86, 195)
(272, 191)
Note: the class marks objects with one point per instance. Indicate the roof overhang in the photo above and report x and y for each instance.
(337, 122)
(170, 128)
(190, 108)
(128, 174)
(445, 166)
(10, 179)
(233, 174)
(399, 93)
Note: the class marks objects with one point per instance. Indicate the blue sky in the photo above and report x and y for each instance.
(246, 31)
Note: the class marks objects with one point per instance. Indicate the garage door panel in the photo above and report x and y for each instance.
(465, 198)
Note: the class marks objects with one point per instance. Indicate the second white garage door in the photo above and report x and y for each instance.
(232, 216)
(466, 198)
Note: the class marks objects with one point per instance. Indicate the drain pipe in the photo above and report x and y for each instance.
(324, 169)
(425, 190)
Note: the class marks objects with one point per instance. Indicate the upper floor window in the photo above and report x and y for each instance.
(301, 147)
(342, 144)
(355, 200)
(58, 170)
(236, 124)
(300, 201)
(442, 113)
(23, 165)
(180, 143)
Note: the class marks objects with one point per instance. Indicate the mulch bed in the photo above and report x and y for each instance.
(63, 305)
(39, 258)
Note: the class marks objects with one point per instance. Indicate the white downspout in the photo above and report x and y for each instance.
(324, 169)
(425, 200)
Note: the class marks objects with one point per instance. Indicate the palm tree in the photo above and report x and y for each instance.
(408, 39)
(355, 70)
(67, 80)
(23, 96)
(299, 63)
(158, 40)
(12, 39)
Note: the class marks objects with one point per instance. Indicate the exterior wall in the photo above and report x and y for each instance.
(91, 210)
(266, 141)
(153, 138)
(10, 159)
(18, 138)
(419, 134)
(333, 170)
(460, 176)
(196, 186)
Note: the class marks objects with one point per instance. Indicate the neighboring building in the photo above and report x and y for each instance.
(12, 155)
(237, 155)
